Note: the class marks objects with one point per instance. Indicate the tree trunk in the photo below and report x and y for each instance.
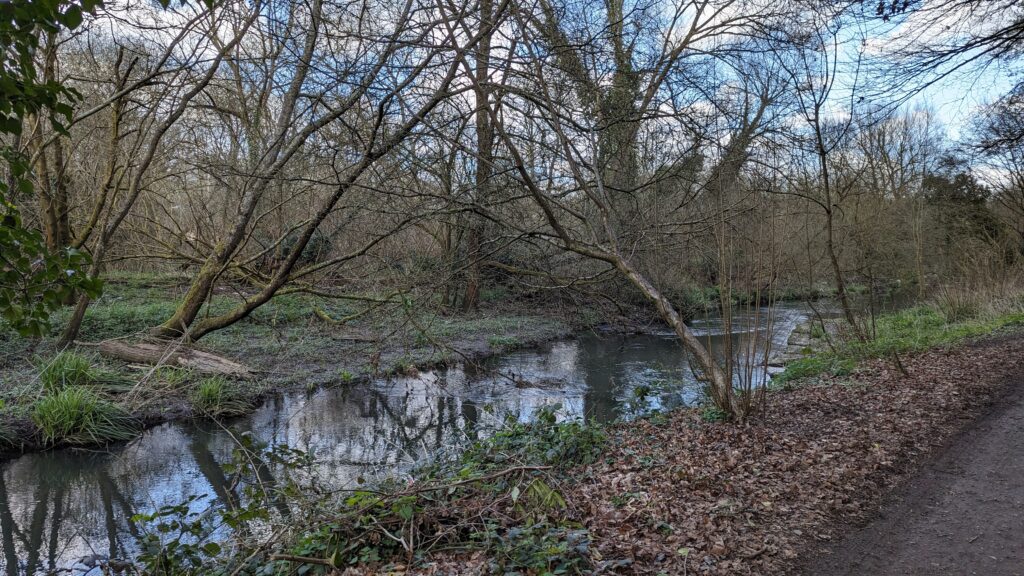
(484, 160)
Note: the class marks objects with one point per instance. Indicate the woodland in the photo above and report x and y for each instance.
(207, 203)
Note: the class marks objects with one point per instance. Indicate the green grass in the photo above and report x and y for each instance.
(503, 342)
(912, 330)
(216, 397)
(78, 416)
(8, 438)
(814, 365)
(68, 369)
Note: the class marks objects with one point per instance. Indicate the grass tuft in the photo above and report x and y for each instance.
(8, 437)
(76, 415)
(69, 369)
(216, 397)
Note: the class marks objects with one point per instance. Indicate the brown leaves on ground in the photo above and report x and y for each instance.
(685, 496)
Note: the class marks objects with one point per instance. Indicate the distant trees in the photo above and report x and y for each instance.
(998, 133)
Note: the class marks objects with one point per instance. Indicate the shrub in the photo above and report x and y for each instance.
(454, 503)
(216, 397)
(76, 415)
(541, 548)
(711, 414)
(958, 303)
(544, 442)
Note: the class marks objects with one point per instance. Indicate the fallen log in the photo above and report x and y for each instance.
(173, 355)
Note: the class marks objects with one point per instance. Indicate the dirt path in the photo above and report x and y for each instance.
(962, 514)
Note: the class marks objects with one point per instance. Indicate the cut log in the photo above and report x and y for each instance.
(172, 355)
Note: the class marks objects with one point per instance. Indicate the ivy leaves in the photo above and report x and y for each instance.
(34, 280)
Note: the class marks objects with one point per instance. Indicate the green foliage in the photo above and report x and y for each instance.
(545, 441)
(116, 317)
(72, 369)
(711, 414)
(814, 365)
(177, 546)
(817, 330)
(695, 301)
(216, 397)
(910, 330)
(178, 540)
(75, 415)
(495, 496)
(65, 369)
(541, 548)
(34, 281)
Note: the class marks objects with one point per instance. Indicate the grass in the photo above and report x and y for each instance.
(78, 416)
(216, 397)
(503, 342)
(907, 331)
(8, 437)
(68, 369)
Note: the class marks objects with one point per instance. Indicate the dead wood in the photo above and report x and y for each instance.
(171, 355)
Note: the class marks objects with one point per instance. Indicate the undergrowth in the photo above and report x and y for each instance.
(497, 496)
(907, 331)
(68, 369)
(217, 397)
(500, 496)
(78, 416)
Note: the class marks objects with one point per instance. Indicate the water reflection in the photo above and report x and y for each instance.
(65, 508)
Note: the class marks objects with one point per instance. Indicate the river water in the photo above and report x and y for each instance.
(62, 506)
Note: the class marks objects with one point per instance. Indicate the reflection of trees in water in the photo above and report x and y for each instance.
(72, 505)
(7, 530)
(23, 545)
(67, 504)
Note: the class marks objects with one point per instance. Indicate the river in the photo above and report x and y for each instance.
(62, 506)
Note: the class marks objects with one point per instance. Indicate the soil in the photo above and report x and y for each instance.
(963, 513)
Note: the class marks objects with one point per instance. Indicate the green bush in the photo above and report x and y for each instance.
(504, 475)
(540, 548)
(711, 413)
(542, 442)
(76, 415)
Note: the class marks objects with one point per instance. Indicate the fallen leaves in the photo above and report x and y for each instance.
(678, 495)
(749, 499)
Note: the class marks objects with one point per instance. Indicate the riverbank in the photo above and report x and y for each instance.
(752, 499)
(293, 342)
(677, 494)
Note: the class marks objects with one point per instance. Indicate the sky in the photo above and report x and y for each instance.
(957, 97)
